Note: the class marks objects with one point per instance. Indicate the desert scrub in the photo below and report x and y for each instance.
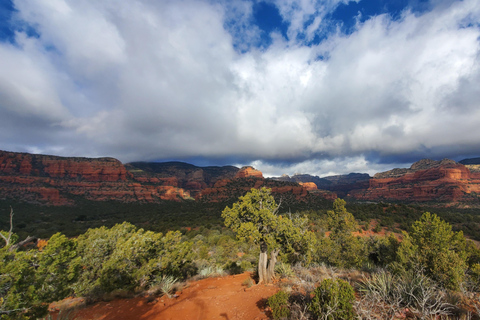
(279, 305)
(333, 300)
(248, 282)
(381, 285)
(165, 285)
(284, 270)
(388, 294)
(210, 271)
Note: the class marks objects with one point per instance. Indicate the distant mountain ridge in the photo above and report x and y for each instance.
(320, 182)
(340, 184)
(470, 161)
(473, 164)
(53, 180)
(423, 164)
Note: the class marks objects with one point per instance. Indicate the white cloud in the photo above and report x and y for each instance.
(177, 79)
(323, 167)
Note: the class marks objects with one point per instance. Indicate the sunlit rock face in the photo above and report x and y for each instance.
(52, 180)
(309, 186)
(426, 180)
(247, 172)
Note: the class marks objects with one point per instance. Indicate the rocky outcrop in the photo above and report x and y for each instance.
(426, 180)
(247, 172)
(309, 186)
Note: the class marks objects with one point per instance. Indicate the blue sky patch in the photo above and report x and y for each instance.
(267, 17)
(6, 11)
(348, 14)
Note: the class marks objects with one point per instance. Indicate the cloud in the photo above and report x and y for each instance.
(323, 167)
(186, 79)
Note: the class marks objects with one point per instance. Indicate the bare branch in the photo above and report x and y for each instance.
(24, 242)
(278, 207)
(7, 239)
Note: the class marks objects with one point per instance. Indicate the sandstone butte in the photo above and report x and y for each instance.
(425, 181)
(53, 180)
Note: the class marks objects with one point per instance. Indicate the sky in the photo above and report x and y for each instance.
(288, 86)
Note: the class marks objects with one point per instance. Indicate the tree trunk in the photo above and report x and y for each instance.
(266, 274)
(262, 264)
(271, 264)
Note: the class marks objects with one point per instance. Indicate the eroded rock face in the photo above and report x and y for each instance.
(310, 186)
(54, 180)
(59, 180)
(425, 180)
(247, 172)
(101, 169)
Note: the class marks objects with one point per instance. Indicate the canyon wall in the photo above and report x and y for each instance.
(52, 180)
(425, 181)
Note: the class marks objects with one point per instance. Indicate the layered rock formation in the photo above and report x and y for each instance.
(426, 180)
(247, 172)
(55, 180)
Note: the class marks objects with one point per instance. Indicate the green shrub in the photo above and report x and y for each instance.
(333, 300)
(279, 305)
(474, 276)
(246, 265)
(433, 247)
(233, 268)
(124, 257)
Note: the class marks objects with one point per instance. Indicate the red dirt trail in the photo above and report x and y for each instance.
(222, 298)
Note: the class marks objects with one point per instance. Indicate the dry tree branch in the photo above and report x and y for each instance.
(7, 239)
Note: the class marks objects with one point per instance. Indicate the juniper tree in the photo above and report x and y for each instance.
(254, 218)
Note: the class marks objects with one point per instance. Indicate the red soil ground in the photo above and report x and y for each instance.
(225, 298)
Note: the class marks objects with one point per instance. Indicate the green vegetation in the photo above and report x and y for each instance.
(432, 246)
(341, 248)
(332, 300)
(319, 252)
(31, 279)
(279, 305)
(254, 219)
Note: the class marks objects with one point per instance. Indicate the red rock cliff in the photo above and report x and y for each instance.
(54, 180)
(100, 169)
(426, 180)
